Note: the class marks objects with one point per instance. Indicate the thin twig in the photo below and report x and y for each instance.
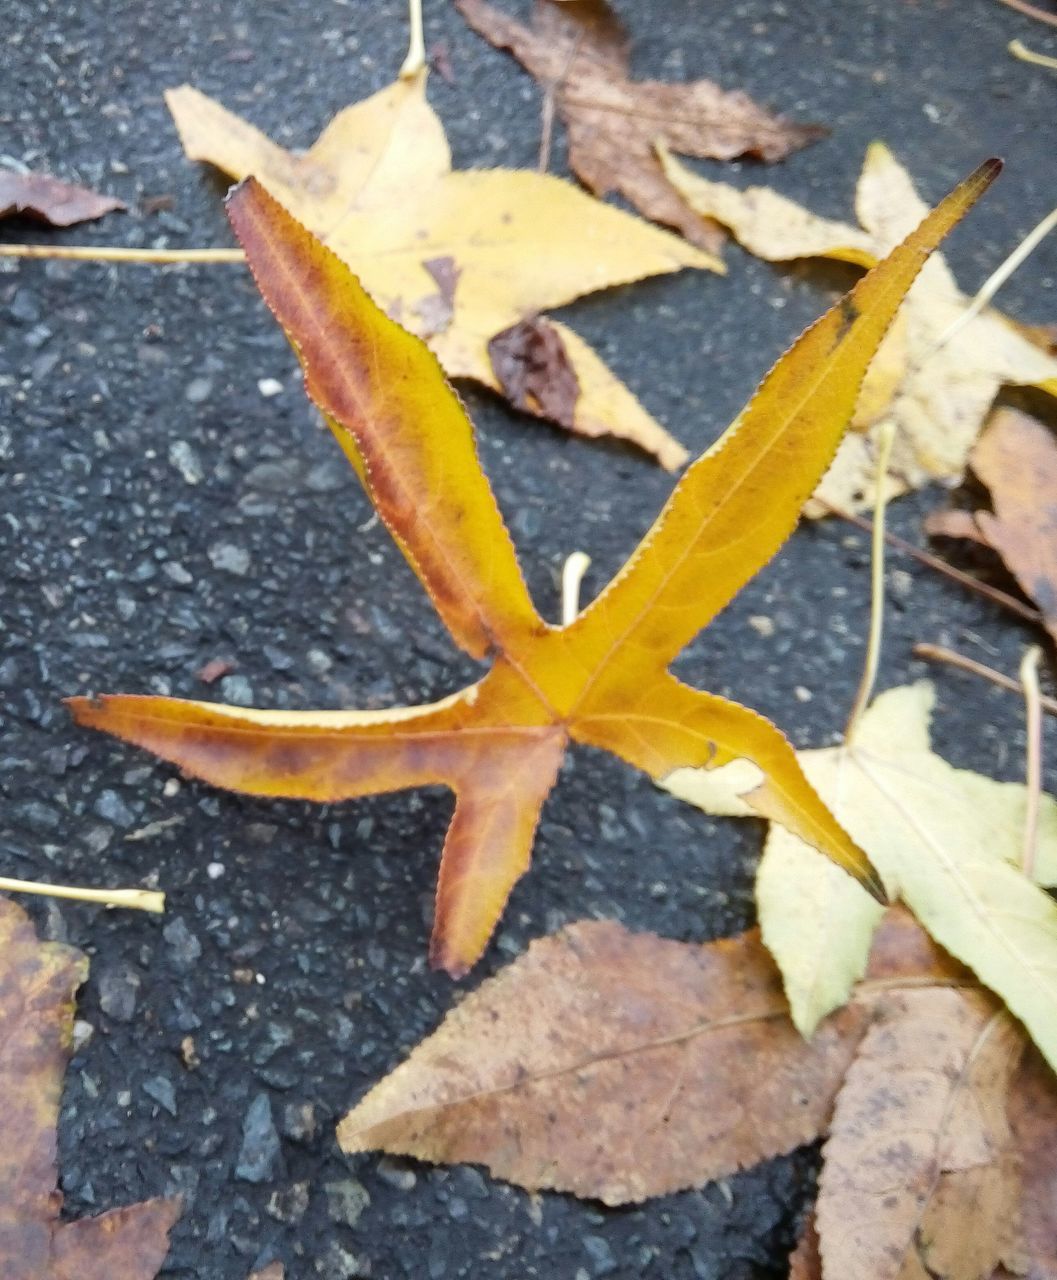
(133, 899)
(1002, 598)
(937, 653)
(886, 437)
(107, 253)
(996, 279)
(573, 570)
(416, 44)
(1031, 10)
(1020, 50)
(549, 96)
(1029, 680)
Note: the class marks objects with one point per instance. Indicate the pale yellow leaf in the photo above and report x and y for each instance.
(937, 396)
(947, 841)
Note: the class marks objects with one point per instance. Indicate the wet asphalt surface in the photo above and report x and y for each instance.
(158, 512)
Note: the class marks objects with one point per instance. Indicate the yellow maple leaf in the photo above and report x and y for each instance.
(378, 188)
(937, 393)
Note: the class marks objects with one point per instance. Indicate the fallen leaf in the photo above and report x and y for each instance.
(1016, 458)
(533, 367)
(805, 1262)
(578, 52)
(1033, 1117)
(378, 188)
(37, 985)
(938, 399)
(273, 1271)
(947, 841)
(919, 1177)
(603, 680)
(47, 199)
(613, 1065)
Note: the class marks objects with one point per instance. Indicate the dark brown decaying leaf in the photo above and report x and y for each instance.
(534, 370)
(920, 1175)
(60, 204)
(1016, 458)
(37, 985)
(579, 53)
(805, 1262)
(614, 1065)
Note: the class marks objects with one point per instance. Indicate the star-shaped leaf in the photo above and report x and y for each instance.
(579, 52)
(938, 396)
(603, 680)
(946, 841)
(378, 188)
(37, 985)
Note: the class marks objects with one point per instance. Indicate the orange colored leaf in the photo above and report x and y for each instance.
(613, 1065)
(602, 680)
(37, 986)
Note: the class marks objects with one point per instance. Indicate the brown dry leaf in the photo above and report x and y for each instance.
(60, 204)
(920, 1175)
(937, 398)
(1033, 1117)
(578, 51)
(378, 188)
(1016, 458)
(37, 985)
(613, 1065)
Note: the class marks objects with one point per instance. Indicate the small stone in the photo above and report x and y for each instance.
(184, 947)
(186, 461)
(602, 1261)
(118, 990)
(230, 558)
(319, 663)
(176, 573)
(198, 390)
(339, 1264)
(299, 1121)
(762, 625)
(269, 387)
(82, 1033)
(327, 477)
(112, 808)
(162, 1092)
(397, 1173)
(215, 870)
(238, 690)
(260, 1150)
(346, 1201)
(290, 1204)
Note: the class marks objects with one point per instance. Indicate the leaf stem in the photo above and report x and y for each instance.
(938, 653)
(133, 899)
(109, 253)
(1032, 11)
(1020, 50)
(934, 562)
(416, 45)
(997, 279)
(886, 437)
(1029, 679)
(576, 565)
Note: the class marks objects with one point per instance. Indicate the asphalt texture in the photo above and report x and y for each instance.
(159, 512)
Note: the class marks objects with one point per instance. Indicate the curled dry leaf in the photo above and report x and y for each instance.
(920, 1173)
(1016, 458)
(613, 1065)
(947, 841)
(378, 188)
(603, 680)
(578, 52)
(60, 204)
(37, 985)
(937, 398)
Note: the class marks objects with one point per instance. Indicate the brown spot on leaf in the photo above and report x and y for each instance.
(534, 370)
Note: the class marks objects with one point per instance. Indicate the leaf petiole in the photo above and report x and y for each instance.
(416, 47)
(132, 899)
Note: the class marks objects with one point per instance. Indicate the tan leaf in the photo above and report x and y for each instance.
(37, 986)
(377, 187)
(947, 841)
(1033, 1117)
(920, 1176)
(613, 1065)
(938, 399)
(579, 52)
(1016, 458)
(60, 204)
